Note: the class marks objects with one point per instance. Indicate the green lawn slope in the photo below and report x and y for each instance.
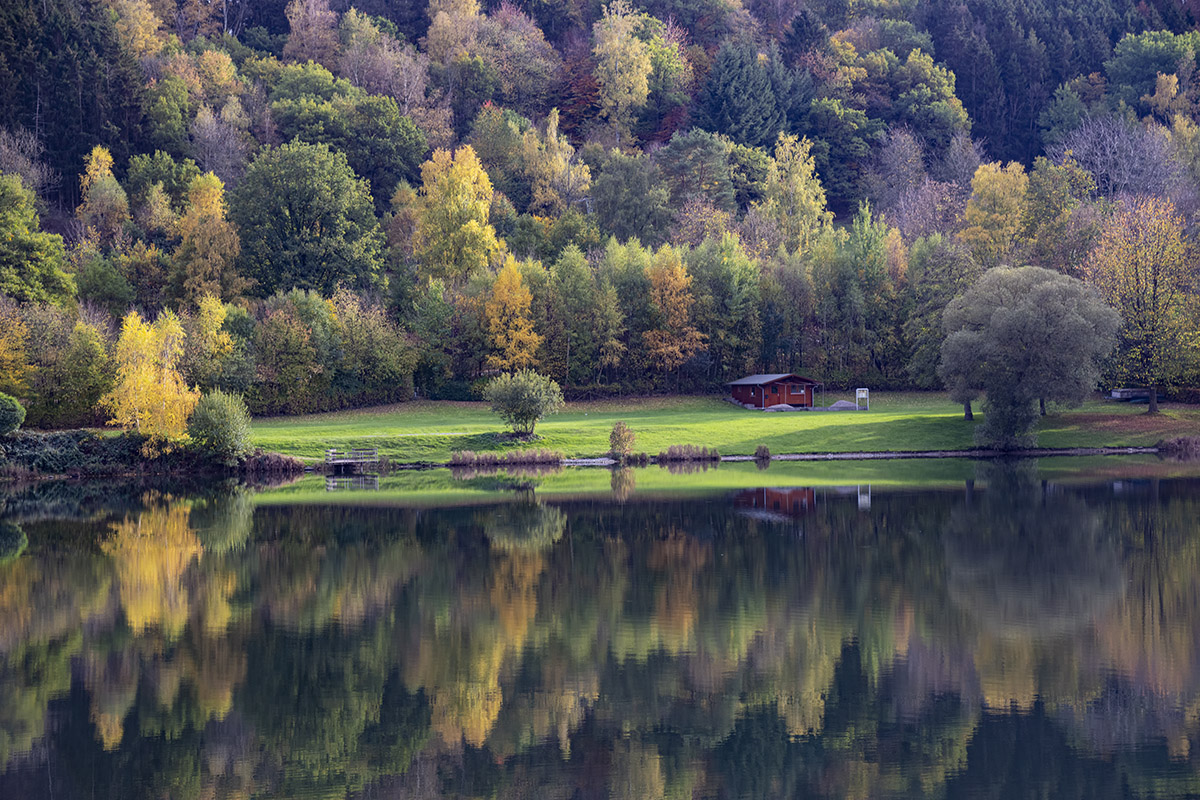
(430, 431)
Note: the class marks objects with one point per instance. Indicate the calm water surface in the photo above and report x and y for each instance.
(999, 635)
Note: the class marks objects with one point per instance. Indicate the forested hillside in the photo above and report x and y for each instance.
(322, 206)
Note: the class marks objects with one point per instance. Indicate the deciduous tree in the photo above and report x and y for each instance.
(793, 195)
(1022, 335)
(453, 239)
(31, 261)
(509, 321)
(105, 207)
(1142, 266)
(313, 34)
(523, 398)
(306, 221)
(674, 339)
(206, 259)
(631, 198)
(993, 215)
(622, 65)
(151, 396)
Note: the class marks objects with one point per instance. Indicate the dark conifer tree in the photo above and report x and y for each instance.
(738, 99)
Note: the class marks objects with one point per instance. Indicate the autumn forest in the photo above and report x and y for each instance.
(320, 206)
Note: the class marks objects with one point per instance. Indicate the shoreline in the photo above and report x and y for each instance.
(978, 454)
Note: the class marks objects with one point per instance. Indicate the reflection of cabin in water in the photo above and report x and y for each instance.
(776, 505)
(764, 391)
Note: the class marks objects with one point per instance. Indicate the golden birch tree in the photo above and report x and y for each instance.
(622, 65)
(793, 197)
(453, 238)
(151, 396)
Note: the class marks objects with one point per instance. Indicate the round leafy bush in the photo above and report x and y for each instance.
(12, 414)
(522, 398)
(220, 427)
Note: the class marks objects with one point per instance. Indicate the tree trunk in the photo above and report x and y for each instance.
(967, 414)
(1042, 405)
(1153, 400)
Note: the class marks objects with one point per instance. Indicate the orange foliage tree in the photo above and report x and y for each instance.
(675, 339)
(508, 320)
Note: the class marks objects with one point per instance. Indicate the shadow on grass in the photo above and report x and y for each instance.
(494, 440)
(923, 433)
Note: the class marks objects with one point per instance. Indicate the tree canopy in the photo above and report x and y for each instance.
(1023, 335)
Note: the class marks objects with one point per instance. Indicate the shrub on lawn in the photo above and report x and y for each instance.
(620, 442)
(12, 414)
(220, 426)
(762, 453)
(523, 398)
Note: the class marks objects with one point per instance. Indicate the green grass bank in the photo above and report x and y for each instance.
(430, 431)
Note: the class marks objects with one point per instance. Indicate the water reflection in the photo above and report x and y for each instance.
(776, 504)
(356, 483)
(466, 473)
(1007, 638)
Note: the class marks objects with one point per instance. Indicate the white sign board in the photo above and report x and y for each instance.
(862, 399)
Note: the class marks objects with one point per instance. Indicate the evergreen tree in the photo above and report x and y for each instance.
(738, 99)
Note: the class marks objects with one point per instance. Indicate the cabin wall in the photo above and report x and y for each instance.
(748, 395)
(802, 395)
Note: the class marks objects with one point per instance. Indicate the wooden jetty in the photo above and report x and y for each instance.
(342, 461)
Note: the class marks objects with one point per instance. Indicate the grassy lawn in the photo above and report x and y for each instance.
(430, 431)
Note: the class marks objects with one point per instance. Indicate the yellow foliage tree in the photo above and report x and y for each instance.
(105, 207)
(995, 212)
(1143, 267)
(453, 238)
(138, 27)
(676, 339)
(622, 64)
(99, 165)
(558, 179)
(14, 360)
(509, 322)
(793, 196)
(207, 254)
(151, 395)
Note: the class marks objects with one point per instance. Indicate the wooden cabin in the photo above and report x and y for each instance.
(763, 391)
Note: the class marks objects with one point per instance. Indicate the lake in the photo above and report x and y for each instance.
(906, 629)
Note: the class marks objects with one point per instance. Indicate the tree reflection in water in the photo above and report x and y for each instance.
(1012, 638)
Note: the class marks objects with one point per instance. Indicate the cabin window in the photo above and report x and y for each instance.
(774, 390)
